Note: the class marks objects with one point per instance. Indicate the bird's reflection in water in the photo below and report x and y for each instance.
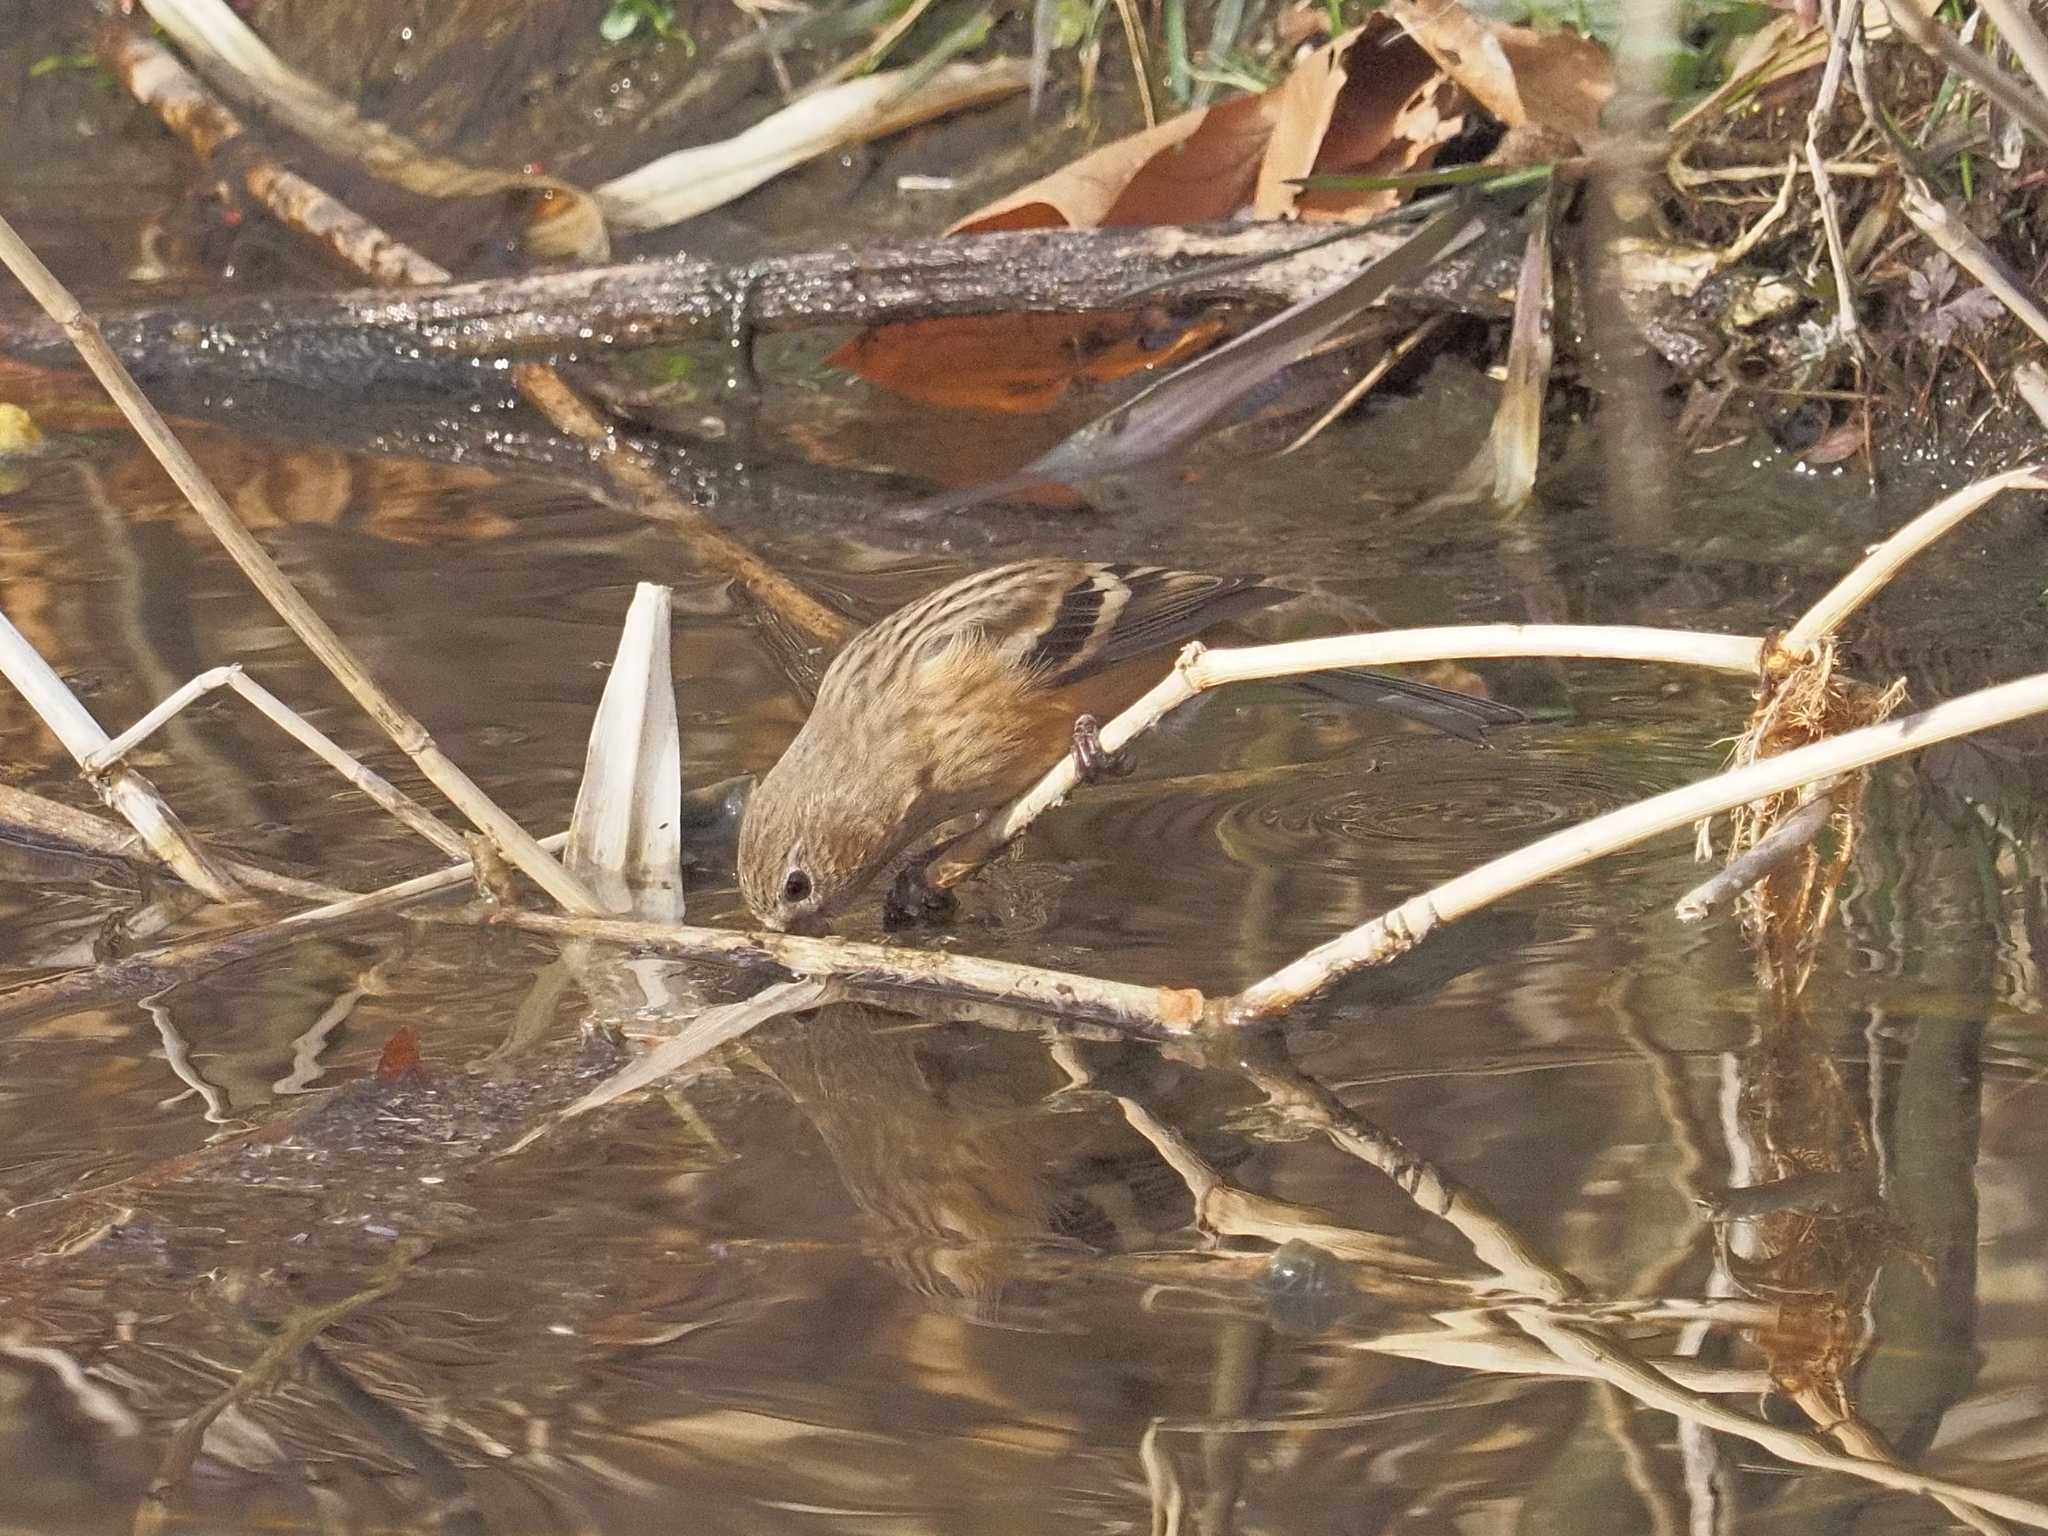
(972, 1186)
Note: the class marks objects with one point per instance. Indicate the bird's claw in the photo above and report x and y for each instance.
(1093, 761)
(913, 902)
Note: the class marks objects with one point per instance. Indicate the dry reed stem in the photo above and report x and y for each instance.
(2023, 35)
(124, 790)
(1305, 1101)
(53, 821)
(301, 730)
(1379, 941)
(511, 840)
(154, 77)
(1142, 1010)
(1381, 367)
(151, 970)
(1876, 569)
(1200, 669)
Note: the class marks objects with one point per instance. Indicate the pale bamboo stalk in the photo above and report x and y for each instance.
(1395, 932)
(301, 730)
(1152, 1011)
(1876, 569)
(125, 791)
(1601, 1358)
(1934, 219)
(509, 838)
(1751, 866)
(1200, 669)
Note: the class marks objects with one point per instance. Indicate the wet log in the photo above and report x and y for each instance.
(360, 336)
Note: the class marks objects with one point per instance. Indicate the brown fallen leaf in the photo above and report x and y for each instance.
(1372, 102)
(1555, 80)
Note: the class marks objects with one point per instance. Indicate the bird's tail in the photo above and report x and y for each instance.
(1464, 715)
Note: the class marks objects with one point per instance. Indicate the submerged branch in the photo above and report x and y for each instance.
(314, 338)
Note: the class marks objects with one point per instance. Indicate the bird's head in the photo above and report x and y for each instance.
(818, 828)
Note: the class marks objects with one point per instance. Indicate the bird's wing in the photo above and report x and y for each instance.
(1464, 715)
(1099, 615)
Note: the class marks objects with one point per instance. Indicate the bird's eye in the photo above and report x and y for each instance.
(796, 886)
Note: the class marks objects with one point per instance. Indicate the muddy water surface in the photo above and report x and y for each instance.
(876, 1271)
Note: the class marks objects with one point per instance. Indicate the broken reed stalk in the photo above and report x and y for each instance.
(151, 970)
(162, 84)
(1845, 23)
(511, 840)
(32, 817)
(1200, 669)
(124, 790)
(1872, 573)
(1757, 861)
(1939, 223)
(301, 730)
(1394, 933)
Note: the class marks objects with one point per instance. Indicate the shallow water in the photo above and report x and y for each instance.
(880, 1272)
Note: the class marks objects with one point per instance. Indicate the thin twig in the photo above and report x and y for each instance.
(1357, 392)
(1607, 1361)
(1876, 569)
(1751, 866)
(151, 970)
(161, 83)
(1851, 13)
(24, 812)
(268, 1368)
(1933, 38)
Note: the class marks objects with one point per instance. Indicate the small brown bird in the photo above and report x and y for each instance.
(959, 701)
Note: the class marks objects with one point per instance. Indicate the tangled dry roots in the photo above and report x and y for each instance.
(1802, 700)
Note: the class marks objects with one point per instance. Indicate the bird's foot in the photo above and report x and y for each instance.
(1092, 760)
(913, 902)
